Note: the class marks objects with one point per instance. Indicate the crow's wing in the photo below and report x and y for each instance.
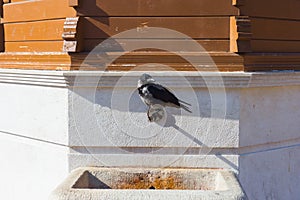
(162, 93)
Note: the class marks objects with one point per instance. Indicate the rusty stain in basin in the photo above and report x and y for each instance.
(151, 179)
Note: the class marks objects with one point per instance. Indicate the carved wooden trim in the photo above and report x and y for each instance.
(72, 35)
(240, 34)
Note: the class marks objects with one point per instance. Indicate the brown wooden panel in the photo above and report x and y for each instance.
(39, 30)
(1, 8)
(156, 8)
(195, 27)
(34, 46)
(172, 44)
(37, 10)
(288, 9)
(1, 38)
(272, 61)
(272, 29)
(275, 46)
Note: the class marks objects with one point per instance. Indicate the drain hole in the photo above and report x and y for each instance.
(152, 188)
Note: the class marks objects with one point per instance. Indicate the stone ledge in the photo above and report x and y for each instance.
(175, 79)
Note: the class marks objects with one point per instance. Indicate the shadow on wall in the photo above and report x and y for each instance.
(126, 102)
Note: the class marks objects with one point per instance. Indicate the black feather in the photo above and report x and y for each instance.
(162, 93)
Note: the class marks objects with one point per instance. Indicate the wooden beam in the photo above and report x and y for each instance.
(1, 38)
(37, 10)
(1, 8)
(152, 8)
(41, 61)
(133, 61)
(275, 29)
(64, 61)
(194, 27)
(175, 44)
(275, 46)
(34, 46)
(37, 30)
(287, 9)
(271, 61)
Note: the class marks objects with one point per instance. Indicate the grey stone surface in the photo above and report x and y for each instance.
(147, 184)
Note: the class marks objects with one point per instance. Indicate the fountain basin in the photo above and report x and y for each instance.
(95, 183)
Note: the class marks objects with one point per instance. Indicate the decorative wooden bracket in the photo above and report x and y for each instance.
(240, 34)
(72, 35)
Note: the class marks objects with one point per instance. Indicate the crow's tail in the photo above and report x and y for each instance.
(184, 107)
(183, 102)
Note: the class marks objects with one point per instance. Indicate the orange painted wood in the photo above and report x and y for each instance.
(46, 61)
(62, 61)
(73, 3)
(176, 45)
(286, 9)
(37, 10)
(224, 61)
(272, 29)
(13, 1)
(156, 8)
(34, 46)
(137, 61)
(194, 27)
(39, 30)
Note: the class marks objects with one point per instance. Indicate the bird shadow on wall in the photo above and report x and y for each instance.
(171, 122)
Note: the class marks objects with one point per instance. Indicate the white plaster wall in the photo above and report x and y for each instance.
(33, 134)
(30, 169)
(269, 114)
(269, 142)
(272, 174)
(110, 117)
(34, 111)
(258, 136)
(109, 127)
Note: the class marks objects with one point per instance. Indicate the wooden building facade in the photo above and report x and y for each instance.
(240, 35)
